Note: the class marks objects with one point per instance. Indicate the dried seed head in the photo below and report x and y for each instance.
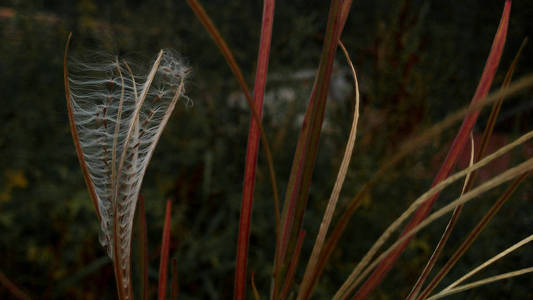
(118, 131)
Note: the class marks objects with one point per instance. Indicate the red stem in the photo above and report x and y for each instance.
(307, 147)
(292, 265)
(252, 151)
(456, 148)
(165, 246)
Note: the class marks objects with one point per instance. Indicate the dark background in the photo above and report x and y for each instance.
(417, 61)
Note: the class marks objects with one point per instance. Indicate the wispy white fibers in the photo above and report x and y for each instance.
(119, 116)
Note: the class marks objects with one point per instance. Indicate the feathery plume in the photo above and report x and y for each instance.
(118, 117)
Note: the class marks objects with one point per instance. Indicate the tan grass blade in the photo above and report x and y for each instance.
(117, 127)
(140, 102)
(409, 146)
(474, 233)
(254, 288)
(482, 282)
(489, 262)
(356, 276)
(514, 88)
(121, 249)
(504, 177)
(446, 234)
(470, 163)
(303, 292)
(487, 133)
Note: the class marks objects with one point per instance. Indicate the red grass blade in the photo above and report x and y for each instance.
(175, 286)
(473, 234)
(165, 247)
(307, 147)
(456, 148)
(13, 289)
(252, 152)
(226, 52)
(292, 266)
(487, 133)
(312, 269)
(221, 44)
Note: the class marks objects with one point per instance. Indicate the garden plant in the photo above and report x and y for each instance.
(119, 107)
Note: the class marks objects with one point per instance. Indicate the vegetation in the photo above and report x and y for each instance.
(417, 66)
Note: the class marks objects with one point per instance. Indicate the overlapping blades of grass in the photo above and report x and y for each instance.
(307, 146)
(308, 281)
(361, 270)
(472, 236)
(456, 148)
(487, 133)
(482, 282)
(454, 288)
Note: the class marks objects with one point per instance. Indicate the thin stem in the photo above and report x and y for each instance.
(447, 232)
(487, 133)
(456, 148)
(524, 167)
(165, 246)
(13, 288)
(514, 172)
(306, 150)
(234, 67)
(306, 285)
(490, 261)
(75, 136)
(252, 153)
(483, 282)
(473, 235)
(405, 149)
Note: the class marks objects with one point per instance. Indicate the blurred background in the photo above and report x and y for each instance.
(417, 61)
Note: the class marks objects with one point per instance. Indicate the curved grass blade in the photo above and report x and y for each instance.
(254, 288)
(74, 132)
(356, 275)
(482, 282)
(447, 232)
(487, 133)
(456, 148)
(489, 262)
(526, 166)
(307, 284)
(473, 235)
(405, 149)
(306, 149)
